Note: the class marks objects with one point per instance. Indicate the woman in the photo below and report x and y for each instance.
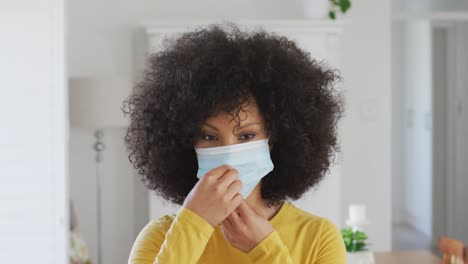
(229, 125)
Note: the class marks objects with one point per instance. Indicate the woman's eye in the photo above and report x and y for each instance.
(247, 136)
(243, 137)
(207, 137)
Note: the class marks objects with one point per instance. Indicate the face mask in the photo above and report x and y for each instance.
(251, 159)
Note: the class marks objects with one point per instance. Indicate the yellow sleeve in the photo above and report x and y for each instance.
(271, 250)
(332, 249)
(183, 242)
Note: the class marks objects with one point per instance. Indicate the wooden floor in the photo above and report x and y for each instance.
(399, 257)
(405, 237)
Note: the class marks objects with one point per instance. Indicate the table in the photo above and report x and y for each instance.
(402, 257)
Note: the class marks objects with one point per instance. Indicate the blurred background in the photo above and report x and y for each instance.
(68, 190)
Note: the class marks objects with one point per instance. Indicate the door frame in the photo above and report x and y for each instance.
(451, 132)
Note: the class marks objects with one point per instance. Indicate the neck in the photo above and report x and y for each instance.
(255, 201)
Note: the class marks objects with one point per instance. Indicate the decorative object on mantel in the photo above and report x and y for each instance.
(339, 5)
(95, 103)
(357, 216)
(320, 9)
(355, 238)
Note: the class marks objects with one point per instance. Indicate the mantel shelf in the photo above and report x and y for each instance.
(289, 25)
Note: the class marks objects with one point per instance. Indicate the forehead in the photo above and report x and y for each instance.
(248, 113)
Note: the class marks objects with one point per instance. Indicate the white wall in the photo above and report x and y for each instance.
(101, 32)
(367, 135)
(33, 133)
(101, 43)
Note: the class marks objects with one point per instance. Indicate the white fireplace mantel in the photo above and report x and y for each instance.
(319, 37)
(290, 25)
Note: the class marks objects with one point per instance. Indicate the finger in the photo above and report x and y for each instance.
(226, 232)
(234, 188)
(228, 178)
(234, 218)
(244, 209)
(227, 225)
(226, 222)
(235, 222)
(217, 172)
(235, 201)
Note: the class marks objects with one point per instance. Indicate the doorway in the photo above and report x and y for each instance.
(430, 150)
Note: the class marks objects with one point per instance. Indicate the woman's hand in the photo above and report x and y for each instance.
(215, 195)
(245, 229)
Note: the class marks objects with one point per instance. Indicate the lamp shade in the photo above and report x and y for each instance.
(95, 102)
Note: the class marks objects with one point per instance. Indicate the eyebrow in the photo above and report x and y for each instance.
(246, 125)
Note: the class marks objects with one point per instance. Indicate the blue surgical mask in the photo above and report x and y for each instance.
(252, 161)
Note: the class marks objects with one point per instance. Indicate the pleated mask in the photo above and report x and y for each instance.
(252, 160)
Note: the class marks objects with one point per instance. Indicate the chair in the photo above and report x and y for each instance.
(454, 251)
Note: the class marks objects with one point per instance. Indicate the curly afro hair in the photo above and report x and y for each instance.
(214, 69)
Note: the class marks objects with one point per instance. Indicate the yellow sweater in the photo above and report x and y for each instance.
(185, 238)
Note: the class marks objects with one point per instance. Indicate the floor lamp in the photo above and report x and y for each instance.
(95, 103)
